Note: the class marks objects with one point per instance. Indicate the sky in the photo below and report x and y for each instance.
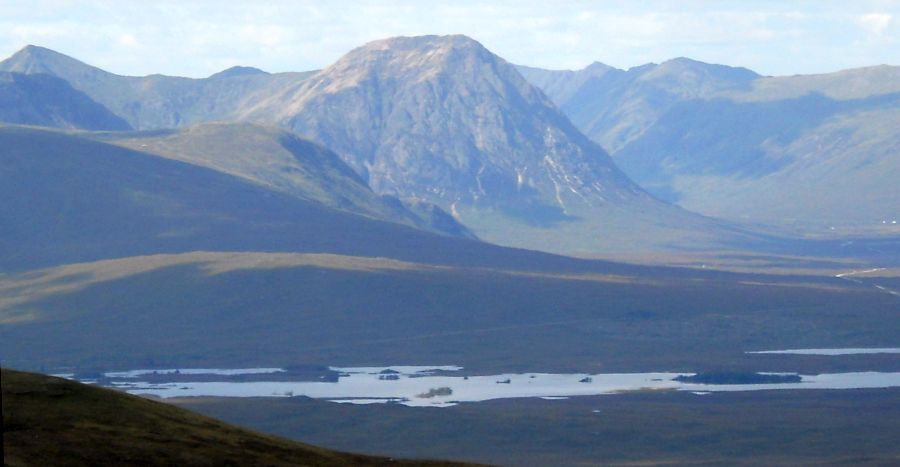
(198, 38)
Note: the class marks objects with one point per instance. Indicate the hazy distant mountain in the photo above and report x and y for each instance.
(808, 152)
(156, 101)
(444, 120)
(45, 100)
(561, 85)
(613, 107)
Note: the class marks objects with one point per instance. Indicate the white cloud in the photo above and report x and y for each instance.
(875, 23)
(128, 40)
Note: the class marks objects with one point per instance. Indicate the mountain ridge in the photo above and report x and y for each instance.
(155, 101)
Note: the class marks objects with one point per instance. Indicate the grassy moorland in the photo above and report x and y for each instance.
(234, 310)
(811, 427)
(52, 421)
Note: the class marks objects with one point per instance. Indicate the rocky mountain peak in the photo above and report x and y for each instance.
(415, 59)
(441, 118)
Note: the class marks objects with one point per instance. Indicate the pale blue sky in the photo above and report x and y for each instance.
(198, 38)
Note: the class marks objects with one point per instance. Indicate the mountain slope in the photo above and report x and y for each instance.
(52, 421)
(444, 120)
(155, 101)
(48, 101)
(70, 198)
(281, 161)
(812, 153)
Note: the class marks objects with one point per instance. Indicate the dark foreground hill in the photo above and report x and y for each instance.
(52, 421)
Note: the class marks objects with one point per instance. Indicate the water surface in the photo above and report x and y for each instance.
(430, 386)
(845, 351)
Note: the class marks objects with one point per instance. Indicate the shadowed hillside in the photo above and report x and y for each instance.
(49, 101)
(70, 198)
(283, 162)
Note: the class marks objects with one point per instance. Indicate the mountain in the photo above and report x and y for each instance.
(45, 100)
(284, 162)
(52, 421)
(442, 119)
(156, 101)
(445, 126)
(72, 197)
(811, 153)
